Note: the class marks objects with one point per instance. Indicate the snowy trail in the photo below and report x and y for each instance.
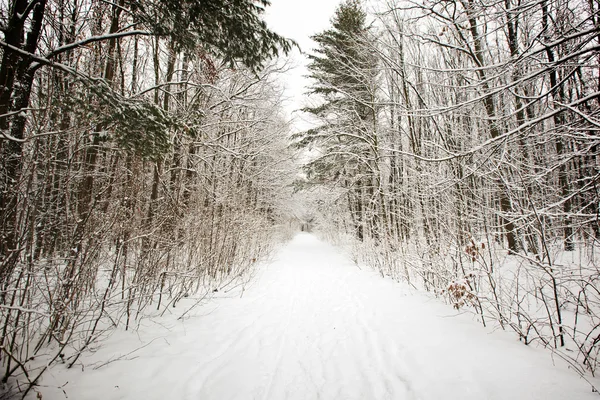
(314, 326)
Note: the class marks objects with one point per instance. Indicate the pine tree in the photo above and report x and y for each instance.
(345, 75)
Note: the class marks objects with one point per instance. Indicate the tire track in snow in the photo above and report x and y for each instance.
(282, 343)
(379, 346)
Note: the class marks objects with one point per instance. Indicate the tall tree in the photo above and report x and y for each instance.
(345, 75)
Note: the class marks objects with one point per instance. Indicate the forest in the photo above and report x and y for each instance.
(146, 158)
(457, 149)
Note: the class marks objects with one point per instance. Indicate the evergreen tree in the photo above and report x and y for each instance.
(345, 75)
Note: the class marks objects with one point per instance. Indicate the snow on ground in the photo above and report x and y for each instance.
(314, 326)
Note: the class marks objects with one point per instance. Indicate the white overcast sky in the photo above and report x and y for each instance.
(299, 20)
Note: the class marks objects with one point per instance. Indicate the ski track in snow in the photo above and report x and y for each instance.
(314, 326)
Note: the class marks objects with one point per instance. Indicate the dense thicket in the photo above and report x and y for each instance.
(143, 160)
(460, 139)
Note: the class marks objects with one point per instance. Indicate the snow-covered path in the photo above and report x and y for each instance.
(314, 326)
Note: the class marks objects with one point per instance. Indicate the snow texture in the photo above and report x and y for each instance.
(315, 326)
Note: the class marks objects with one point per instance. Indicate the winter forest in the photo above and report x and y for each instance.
(146, 158)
